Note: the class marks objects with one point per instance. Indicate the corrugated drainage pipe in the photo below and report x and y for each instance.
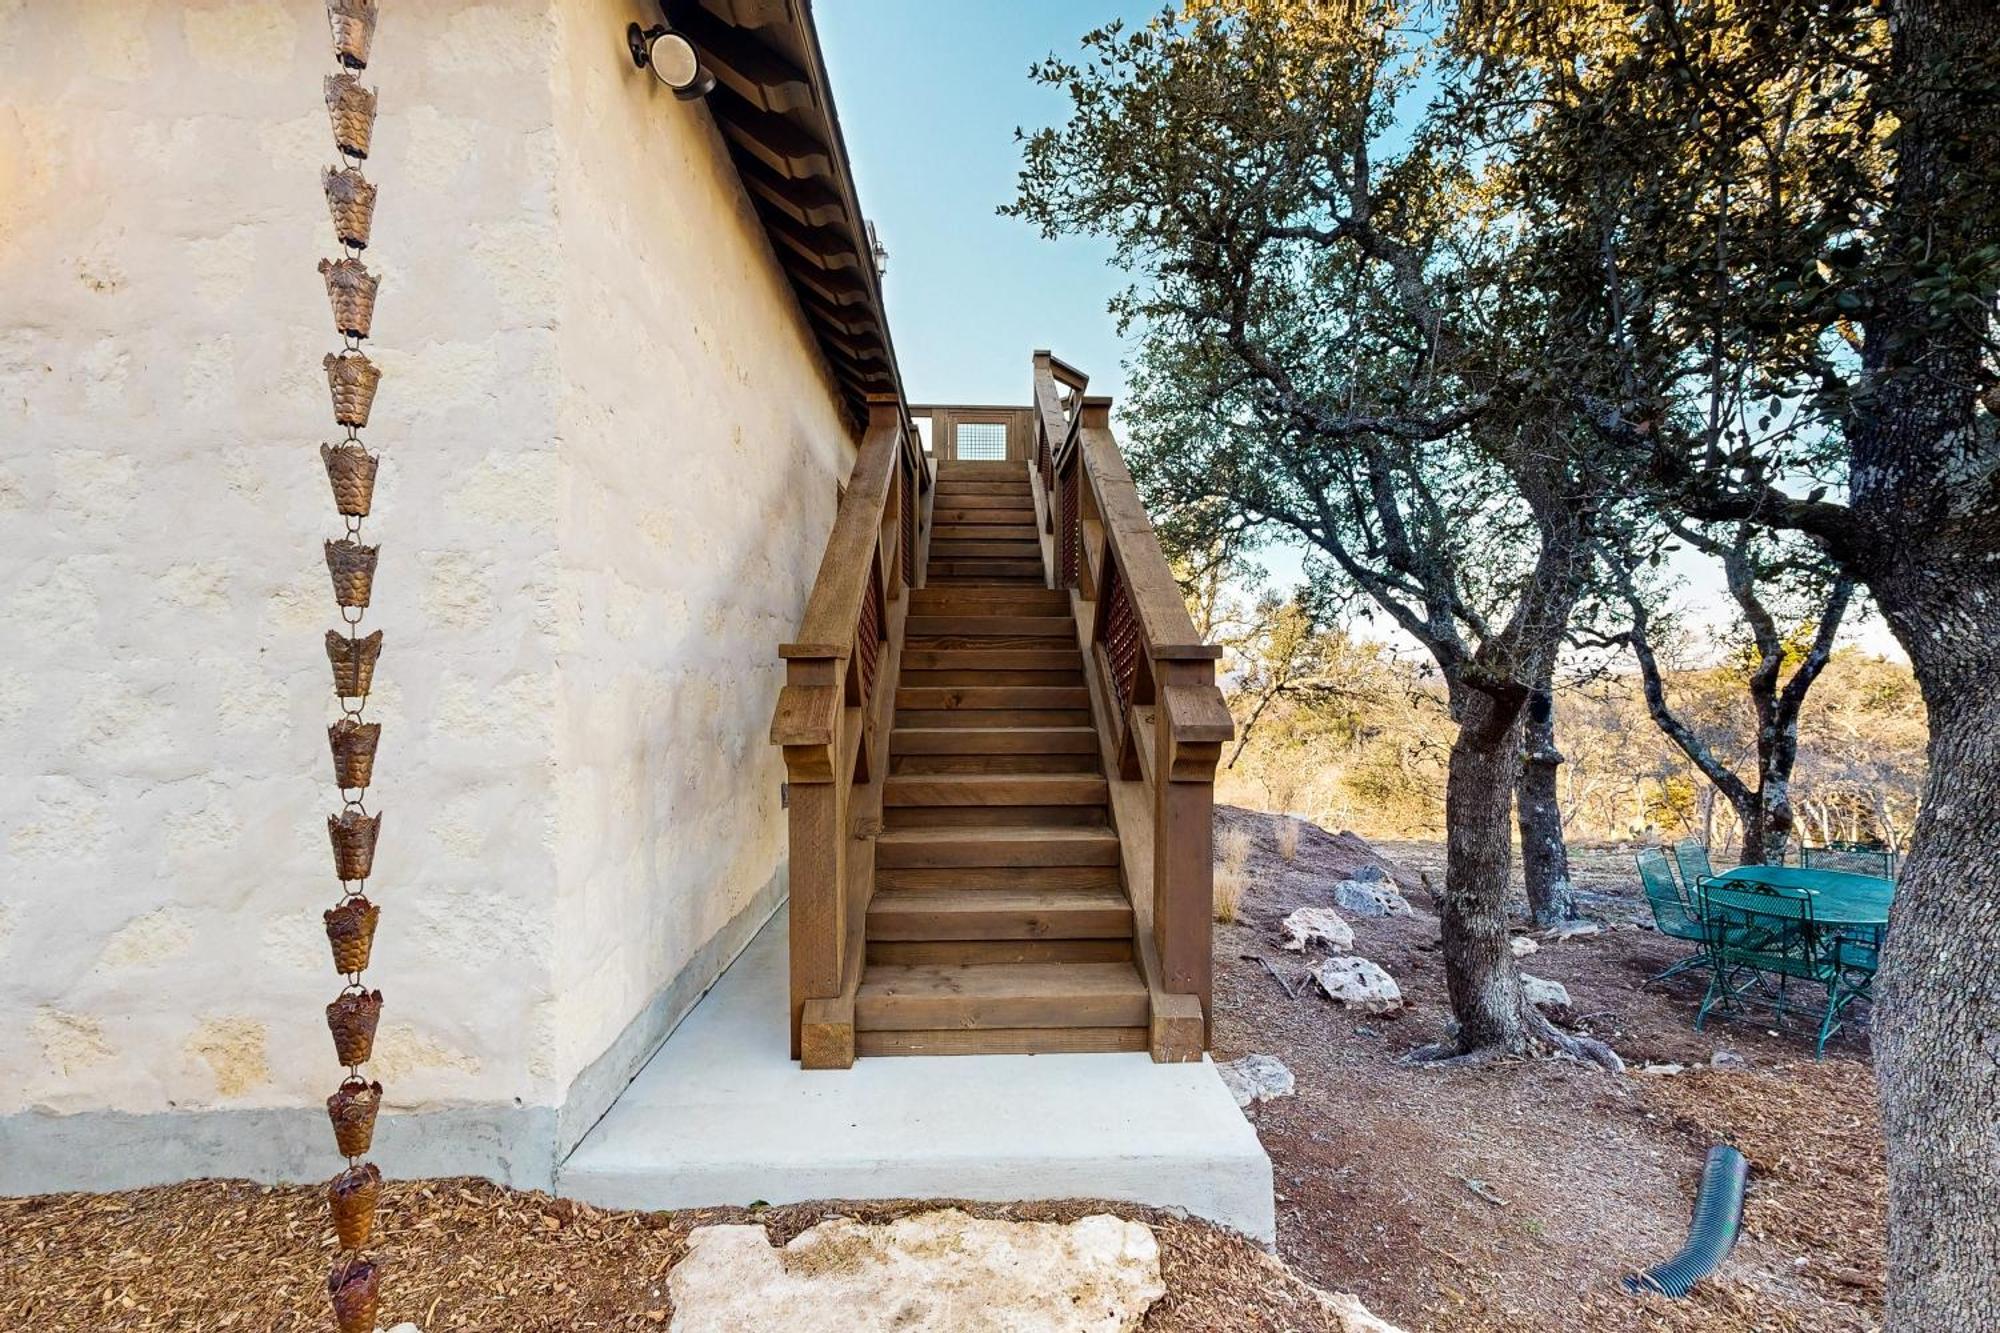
(1718, 1220)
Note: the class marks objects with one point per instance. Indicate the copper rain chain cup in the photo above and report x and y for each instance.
(352, 109)
(352, 1019)
(350, 929)
(352, 1111)
(351, 200)
(353, 1195)
(352, 566)
(353, 30)
(350, 288)
(353, 662)
(351, 378)
(355, 1286)
(353, 745)
(353, 835)
(351, 470)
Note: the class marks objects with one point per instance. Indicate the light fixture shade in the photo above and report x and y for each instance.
(672, 59)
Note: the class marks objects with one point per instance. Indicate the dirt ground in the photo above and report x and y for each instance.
(1510, 1197)
(1516, 1196)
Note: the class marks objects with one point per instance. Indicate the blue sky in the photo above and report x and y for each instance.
(930, 93)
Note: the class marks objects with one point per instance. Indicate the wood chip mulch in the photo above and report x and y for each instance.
(465, 1254)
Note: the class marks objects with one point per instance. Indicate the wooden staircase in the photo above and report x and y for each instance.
(1000, 736)
(999, 920)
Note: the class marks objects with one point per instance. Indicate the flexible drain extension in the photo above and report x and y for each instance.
(1718, 1220)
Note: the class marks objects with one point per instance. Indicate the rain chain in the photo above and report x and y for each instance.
(354, 1285)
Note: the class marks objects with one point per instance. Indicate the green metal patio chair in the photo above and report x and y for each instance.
(1692, 858)
(1852, 857)
(1755, 932)
(1673, 913)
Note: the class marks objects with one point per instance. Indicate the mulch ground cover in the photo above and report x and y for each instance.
(463, 1254)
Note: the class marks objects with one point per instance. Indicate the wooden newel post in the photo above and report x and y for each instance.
(810, 725)
(1191, 726)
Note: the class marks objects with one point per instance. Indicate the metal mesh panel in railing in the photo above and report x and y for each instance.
(1121, 636)
(868, 635)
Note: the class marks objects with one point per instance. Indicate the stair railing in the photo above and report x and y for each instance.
(833, 719)
(1161, 720)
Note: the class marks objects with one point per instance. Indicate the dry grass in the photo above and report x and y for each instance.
(1232, 876)
(1287, 831)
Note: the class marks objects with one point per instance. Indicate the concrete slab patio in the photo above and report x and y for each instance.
(721, 1115)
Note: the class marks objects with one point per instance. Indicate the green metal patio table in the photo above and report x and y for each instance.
(1841, 899)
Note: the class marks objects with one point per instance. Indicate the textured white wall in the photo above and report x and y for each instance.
(609, 461)
(700, 446)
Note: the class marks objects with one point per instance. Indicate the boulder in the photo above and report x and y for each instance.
(1322, 924)
(935, 1272)
(1360, 984)
(1256, 1078)
(1572, 930)
(1369, 874)
(1366, 897)
(1522, 946)
(1544, 994)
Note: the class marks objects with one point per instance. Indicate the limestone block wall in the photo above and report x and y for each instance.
(593, 391)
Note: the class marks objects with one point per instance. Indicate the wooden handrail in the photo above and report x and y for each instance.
(1161, 720)
(832, 721)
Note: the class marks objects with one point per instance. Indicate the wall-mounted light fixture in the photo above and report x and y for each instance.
(672, 58)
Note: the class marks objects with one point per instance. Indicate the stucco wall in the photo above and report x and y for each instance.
(596, 410)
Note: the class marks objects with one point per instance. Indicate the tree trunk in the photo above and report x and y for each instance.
(1938, 1034)
(1544, 853)
(1484, 984)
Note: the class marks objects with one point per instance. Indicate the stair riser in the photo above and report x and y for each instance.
(1014, 485)
(996, 816)
(981, 696)
(956, 551)
(993, 717)
(991, 532)
(907, 919)
(962, 953)
(915, 765)
(987, 792)
(995, 853)
(992, 626)
(1024, 740)
(938, 680)
(949, 601)
(997, 877)
(944, 516)
(992, 659)
(981, 469)
(984, 570)
(962, 1014)
(1028, 1041)
(947, 499)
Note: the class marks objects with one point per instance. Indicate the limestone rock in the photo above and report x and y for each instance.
(1369, 874)
(1728, 1061)
(935, 1272)
(1543, 993)
(1323, 924)
(1522, 946)
(1359, 983)
(1371, 898)
(1572, 930)
(1256, 1078)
